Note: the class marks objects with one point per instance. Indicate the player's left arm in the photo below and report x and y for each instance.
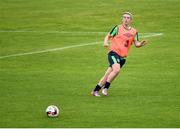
(138, 43)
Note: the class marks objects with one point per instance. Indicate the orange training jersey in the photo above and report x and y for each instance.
(122, 41)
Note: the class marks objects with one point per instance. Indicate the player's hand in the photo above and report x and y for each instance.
(143, 42)
(106, 45)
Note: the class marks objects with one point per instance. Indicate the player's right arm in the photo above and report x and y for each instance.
(106, 40)
(112, 33)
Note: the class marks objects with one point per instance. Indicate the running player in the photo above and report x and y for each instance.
(121, 36)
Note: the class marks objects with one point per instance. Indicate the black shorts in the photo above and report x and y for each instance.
(114, 58)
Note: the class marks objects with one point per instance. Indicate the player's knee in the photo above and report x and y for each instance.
(116, 70)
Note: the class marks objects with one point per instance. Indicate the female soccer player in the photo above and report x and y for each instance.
(121, 36)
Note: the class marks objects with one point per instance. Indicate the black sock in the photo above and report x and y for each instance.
(97, 88)
(107, 85)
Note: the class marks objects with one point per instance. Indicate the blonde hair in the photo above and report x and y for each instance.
(130, 14)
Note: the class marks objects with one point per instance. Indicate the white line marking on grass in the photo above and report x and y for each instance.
(53, 32)
(65, 32)
(151, 35)
(50, 50)
(67, 47)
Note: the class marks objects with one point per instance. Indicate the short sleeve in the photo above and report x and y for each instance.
(136, 37)
(114, 31)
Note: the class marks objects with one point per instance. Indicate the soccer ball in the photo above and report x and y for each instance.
(52, 111)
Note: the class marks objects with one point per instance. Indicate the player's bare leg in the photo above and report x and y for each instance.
(101, 83)
(104, 78)
(115, 71)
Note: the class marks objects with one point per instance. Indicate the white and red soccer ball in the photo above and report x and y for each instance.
(52, 111)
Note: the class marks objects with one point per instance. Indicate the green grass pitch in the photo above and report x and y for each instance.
(145, 94)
